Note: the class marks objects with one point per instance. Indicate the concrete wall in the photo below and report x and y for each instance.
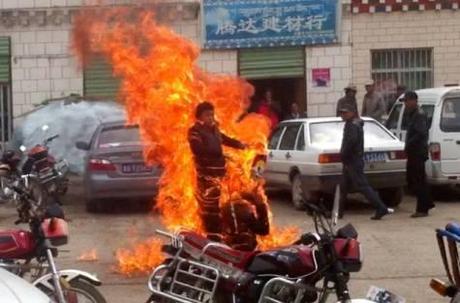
(439, 30)
(321, 101)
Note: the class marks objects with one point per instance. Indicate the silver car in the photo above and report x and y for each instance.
(114, 166)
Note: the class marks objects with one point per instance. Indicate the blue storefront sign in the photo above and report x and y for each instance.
(266, 23)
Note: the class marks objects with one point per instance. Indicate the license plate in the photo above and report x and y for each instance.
(135, 168)
(374, 157)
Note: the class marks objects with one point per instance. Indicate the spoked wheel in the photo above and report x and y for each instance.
(79, 292)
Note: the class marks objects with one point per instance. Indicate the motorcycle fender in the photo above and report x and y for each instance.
(69, 275)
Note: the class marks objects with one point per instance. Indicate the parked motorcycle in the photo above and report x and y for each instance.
(51, 173)
(448, 240)
(309, 270)
(30, 253)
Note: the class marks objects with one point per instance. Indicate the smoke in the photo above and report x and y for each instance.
(72, 121)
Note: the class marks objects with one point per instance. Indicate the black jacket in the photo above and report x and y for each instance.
(206, 144)
(417, 134)
(352, 149)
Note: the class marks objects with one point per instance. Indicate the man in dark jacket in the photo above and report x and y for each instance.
(244, 219)
(352, 152)
(206, 142)
(349, 98)
(417, 153)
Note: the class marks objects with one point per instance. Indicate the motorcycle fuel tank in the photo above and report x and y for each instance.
(16, 244)
(293, 261)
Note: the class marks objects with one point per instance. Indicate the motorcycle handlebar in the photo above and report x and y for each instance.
(51, 139)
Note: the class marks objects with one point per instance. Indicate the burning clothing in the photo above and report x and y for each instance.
(244, 219)
(206, 144)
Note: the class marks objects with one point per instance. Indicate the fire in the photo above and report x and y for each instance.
(88, 256)
(161, 86)
(141, 258)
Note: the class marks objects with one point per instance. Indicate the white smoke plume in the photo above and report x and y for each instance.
(73, 121)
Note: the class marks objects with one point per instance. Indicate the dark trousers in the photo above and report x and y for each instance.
(353, 178)
(208, 196)
(416, 181)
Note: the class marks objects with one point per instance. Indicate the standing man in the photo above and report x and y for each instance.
(352, 152)
(206, 142)
(267, 108)
(349, 98)
(294, 112)
(417, 153)
(373, 104)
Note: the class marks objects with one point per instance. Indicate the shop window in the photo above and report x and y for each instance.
(412, 68)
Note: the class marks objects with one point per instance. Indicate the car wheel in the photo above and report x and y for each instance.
(392, 197)
(297, 194)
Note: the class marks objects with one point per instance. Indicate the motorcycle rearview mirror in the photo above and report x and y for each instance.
(45, 127)
(22, 148)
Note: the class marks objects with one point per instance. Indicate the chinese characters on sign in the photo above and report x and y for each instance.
(262, 23)
(321, 77)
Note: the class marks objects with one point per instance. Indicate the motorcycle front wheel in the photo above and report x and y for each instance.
(79, 291)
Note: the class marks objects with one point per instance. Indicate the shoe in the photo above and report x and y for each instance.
(380, 215)
(419, 214)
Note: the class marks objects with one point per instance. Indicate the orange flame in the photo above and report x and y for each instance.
(161, 86)
(141, 258)
(88, 256)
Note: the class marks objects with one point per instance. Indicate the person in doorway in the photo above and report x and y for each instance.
(400, 89)
(245, 218)
(352, 152)
(349, 98)
(206, 142)
(267, 108)
(417, 153)
(294, 112)
(373, 103)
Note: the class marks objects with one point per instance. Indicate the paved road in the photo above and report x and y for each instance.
(400, 253)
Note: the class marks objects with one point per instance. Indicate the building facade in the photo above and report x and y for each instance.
(411, 42)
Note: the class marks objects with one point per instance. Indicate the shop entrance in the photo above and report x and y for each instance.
(285, 92)
(281, 70)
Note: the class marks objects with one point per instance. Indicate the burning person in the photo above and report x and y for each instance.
(244, 219)
(206, 142)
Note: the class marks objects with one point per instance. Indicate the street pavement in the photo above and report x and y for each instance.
(400, 253)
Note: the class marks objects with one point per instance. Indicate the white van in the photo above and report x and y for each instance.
(442, 108)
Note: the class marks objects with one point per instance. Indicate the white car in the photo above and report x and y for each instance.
(304, 156)
(442, 107)
(13, 289)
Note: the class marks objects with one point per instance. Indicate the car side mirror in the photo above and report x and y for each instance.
(82, 145)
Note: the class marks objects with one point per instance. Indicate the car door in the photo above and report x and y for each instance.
(287, 151)
(394, 120)
(273, 161)
(449, 136)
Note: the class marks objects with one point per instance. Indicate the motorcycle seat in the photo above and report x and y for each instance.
(199, 246)
(453, 227)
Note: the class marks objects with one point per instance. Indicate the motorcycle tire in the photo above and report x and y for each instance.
(88, 290)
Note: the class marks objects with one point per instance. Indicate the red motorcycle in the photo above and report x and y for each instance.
(309, 270)
(30, 253)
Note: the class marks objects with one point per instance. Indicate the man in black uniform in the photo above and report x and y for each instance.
(206, 142)
(244, 219)
(349, 98)
(417, 153)
(352, 152)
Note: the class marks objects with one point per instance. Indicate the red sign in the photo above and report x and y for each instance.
(321, 77)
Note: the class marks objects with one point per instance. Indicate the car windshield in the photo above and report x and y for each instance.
(119, 136)
(329, 134)
(450, 117)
